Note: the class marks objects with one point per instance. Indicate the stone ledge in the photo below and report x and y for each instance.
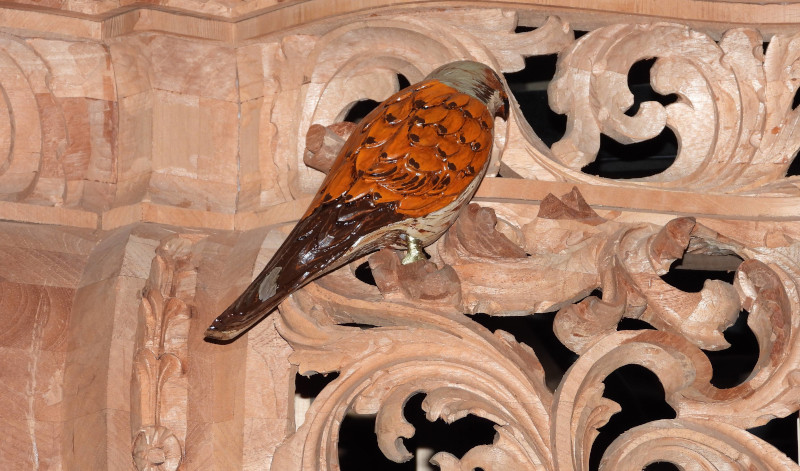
(492, 190)
(234, 22)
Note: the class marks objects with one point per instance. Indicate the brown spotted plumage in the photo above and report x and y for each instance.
(402, 177)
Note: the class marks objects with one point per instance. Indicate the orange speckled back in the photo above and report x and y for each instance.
(420, 148)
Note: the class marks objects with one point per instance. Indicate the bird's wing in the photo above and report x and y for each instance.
(419, 149)
(414, 154)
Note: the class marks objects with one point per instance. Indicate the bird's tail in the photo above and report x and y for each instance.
(255, 303)
(316, 245)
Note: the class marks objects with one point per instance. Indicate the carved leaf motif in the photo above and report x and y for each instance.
(733, 115)
(692, 445)
(591, 88)
(431, 348)
(734, 122)
(475, 234)
(770, 389)
(498, 456)
(700, 317)
(486, 368)
(145, 368)
(159, 391)
(579, 405)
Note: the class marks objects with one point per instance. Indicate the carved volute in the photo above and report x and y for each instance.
(154, 155)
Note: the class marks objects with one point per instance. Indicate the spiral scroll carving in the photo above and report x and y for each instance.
(465, 369)
(734, 119)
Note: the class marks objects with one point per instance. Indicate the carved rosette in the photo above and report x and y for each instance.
(159, 389)
(156, 448)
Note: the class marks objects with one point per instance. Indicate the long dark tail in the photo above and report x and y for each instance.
(316, 245)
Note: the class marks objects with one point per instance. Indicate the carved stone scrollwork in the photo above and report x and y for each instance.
(733, 115)
(159, 389)
(127, 126)
(734, 120)
(327, 75)
(422, 342)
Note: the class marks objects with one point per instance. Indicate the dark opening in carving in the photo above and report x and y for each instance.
(732, 366)
(529, 87)
(402, 81)
(359, 110)
(639, 85)
(794, 167)
(641, 159)
(358, 449)
(536, 331)
(641, 396)
(633, 324)
(310, 386)
(661, 466)
(780, 433)
(364, 274)
(692, 280)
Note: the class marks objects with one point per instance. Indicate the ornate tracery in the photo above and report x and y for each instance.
(152, 166)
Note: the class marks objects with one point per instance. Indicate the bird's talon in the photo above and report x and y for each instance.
(414, 251)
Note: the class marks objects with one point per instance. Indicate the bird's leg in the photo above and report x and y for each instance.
(414, 251)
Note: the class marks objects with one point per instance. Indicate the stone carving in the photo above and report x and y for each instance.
(159, 388)
(465, 369)
(733, 115)
(45, 157)
(199, 115)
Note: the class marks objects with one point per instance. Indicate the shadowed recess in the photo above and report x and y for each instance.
(780, 433)
(641, 396)
(402, 81)
(310, 386)
(642, 159)
(732, 366)
(536, 331)
(360, 109)
(364, 274)
(358, 449)
(692, 281)
(529, 87)
(794, 167)
(661, 466)
(628, 323)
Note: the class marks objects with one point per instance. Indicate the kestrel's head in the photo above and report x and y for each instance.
(477, 80)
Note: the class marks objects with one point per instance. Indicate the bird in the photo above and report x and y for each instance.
(400, 180)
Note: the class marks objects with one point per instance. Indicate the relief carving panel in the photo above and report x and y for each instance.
(231, 135)
(421, 341)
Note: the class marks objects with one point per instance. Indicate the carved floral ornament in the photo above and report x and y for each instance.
(733, 115)
(734, 120)
(736, 125)
(423, 342)
(160, 379)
